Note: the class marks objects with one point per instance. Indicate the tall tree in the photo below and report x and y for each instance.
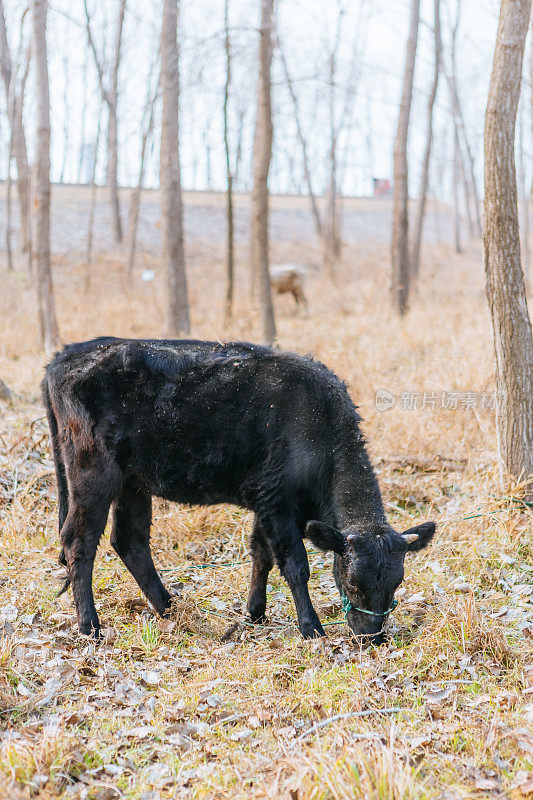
(511, 326)
(456, 175)
(171, 199)
(135, 200)
(262, 153)
(303, 144)
(523, 195)
(45, 291)
(92, 203)
(468, 170)
(400, 211)
(530, 198)
(331, 233)
(230, 259)
(109, 91)
(14, 102)
(424, 175)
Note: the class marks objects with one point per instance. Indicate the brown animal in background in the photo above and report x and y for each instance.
(290, 278)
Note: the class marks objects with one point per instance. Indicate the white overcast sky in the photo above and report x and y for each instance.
(378, 28)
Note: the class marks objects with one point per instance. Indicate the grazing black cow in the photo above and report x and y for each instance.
(201, 423)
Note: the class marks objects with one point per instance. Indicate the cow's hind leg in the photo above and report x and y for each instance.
(80, 534)
(130, 537)
(262, 563)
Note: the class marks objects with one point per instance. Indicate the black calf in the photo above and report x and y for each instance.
(202, 423)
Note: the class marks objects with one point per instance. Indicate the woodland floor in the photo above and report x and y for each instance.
(167, 709)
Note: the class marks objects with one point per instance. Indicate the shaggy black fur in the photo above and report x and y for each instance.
(202, 423)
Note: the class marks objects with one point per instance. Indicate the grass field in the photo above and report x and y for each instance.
(168, 709)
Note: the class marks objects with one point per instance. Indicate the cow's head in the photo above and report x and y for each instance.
(368, 568)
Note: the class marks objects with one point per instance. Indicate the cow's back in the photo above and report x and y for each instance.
(200, 422)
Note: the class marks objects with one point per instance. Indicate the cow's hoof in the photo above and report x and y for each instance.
(257, 619)
(89, 629)
(312, 631)
(257, 614)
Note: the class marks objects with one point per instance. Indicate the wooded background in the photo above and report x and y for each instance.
(259, 96)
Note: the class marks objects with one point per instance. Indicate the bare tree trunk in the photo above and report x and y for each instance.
(238, 154)
(230, 260)
(45, 292)
(18, 138)
(66, 116)
(92, 205)
(83, 124)
(303, 144)
(400, 211)
(112, 130)
(471, 171)
(459, 158)
(133, 224)
(171, 200)
(110, 97)
(10, 113)
(112, 172)
(9, 249)
(524, 227)
(530, 197)
(467, 191)
(456, 208)
(424, 178)
(330, 230)
(262, 152)
(511, 326)
(451, 78)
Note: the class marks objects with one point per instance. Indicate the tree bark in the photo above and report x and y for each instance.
(262, 153)
(524, 210)
(331, 241)
(400, 211)
(83, 124)
(530, 197)
(171, 199)
(470, 183)
(511, 326)
(92, 204)
(303, 144)
(110, 97)
(133, 222)
(467, 190)
(45, 292)
(9, 249)
(424, 177)
(112, 130)
(18, 138)
(230, 259)
(456, 208)
(66, 116)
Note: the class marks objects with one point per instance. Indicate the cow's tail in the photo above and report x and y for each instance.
(59, 464)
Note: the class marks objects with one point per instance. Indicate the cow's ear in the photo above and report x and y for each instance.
(419, 537)
(325, 537)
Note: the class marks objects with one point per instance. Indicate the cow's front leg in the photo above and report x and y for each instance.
(291, 556)
(262, 563)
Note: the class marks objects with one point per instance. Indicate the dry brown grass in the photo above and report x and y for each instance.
(171, 709)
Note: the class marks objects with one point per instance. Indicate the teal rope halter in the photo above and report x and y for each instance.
(348, 606)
